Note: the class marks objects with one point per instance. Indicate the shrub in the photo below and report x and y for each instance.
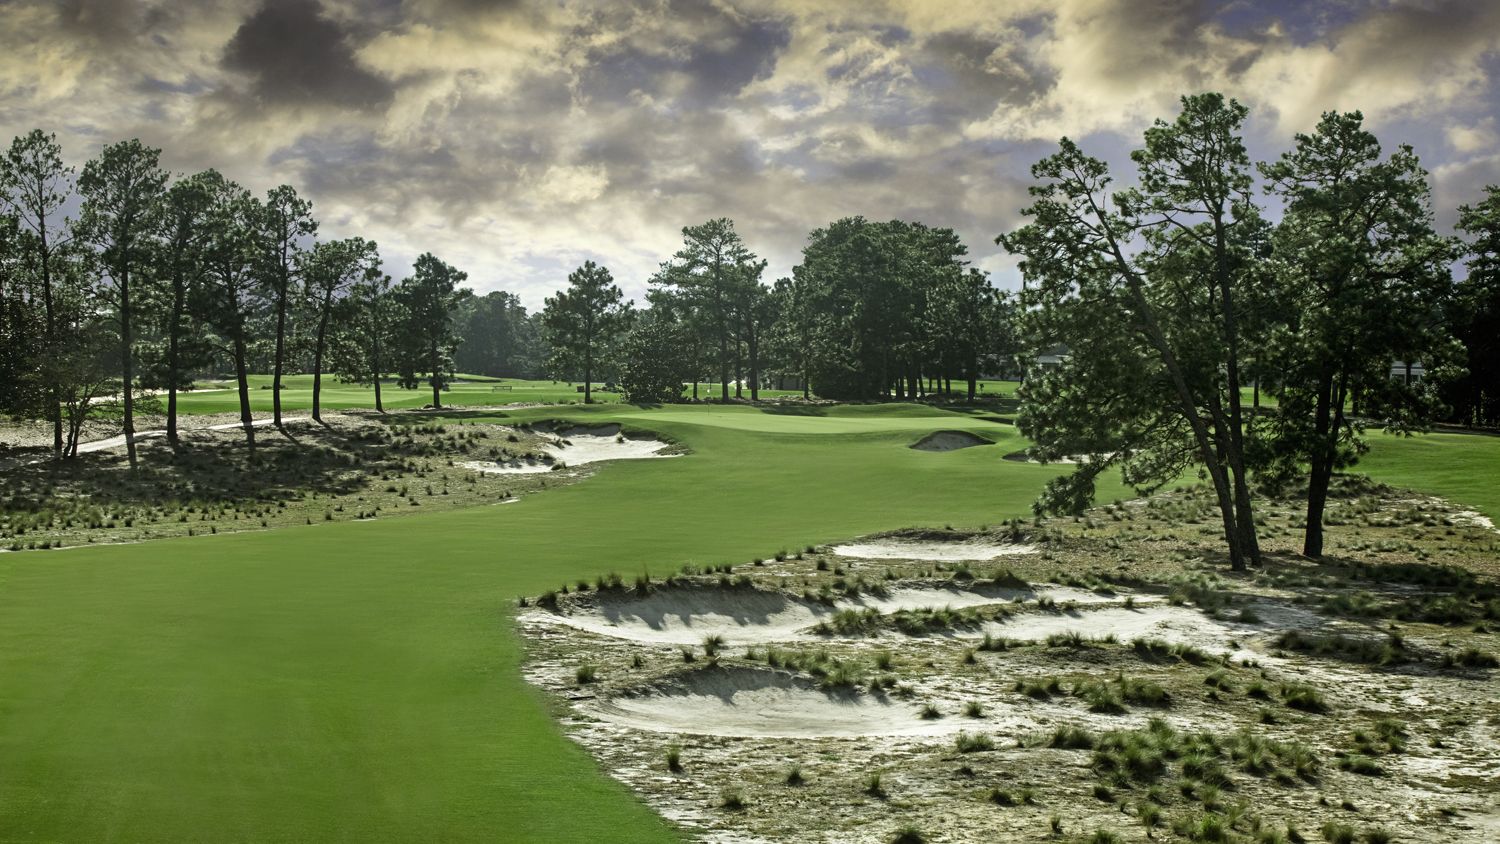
(586, 673)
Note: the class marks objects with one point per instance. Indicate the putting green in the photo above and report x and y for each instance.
(359, 681)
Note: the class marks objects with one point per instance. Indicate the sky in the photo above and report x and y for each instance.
(517, 138)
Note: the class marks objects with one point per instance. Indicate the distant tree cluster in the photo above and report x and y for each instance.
(1175, 296)
(874, 310)
(156, 280)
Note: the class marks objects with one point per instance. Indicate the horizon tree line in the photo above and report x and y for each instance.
(1171, 297)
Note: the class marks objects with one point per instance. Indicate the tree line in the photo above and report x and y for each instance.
(1176, 294)
(874, 310)
(1172, 298)
(119, 280)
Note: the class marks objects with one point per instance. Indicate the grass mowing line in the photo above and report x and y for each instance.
(359, 681)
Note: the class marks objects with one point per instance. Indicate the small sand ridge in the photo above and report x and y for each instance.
(950, 441)
(580, 446)
(673, 616)
(747, 702)
(934, 551)
(1177, 625)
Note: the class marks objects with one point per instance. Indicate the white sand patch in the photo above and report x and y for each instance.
(769, 704)
(576, 450)
(118, 441)
(753, 617)
(686, 616)
(1178, 625)
(949, 441)
(911, 549)
(1475, 519)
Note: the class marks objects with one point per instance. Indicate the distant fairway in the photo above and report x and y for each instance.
(359, 682)
(469, 391)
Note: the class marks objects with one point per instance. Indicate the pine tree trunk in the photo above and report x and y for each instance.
(174, 329)
(242, 378)
(127, 364)
(317, 414)
(280, 349)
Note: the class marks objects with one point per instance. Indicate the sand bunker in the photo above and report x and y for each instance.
(686, 616)
(753, 616)
(912, 549)
(949, 441)
(1178, 625)
(762, 703)
(578, 450)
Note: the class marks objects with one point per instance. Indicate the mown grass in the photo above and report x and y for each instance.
(359, 681)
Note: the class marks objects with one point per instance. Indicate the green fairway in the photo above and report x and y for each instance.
(466, 391)
(1461, 467)
(296, 394)
(359, 681)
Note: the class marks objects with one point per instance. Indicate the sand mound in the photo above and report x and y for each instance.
(578, 450)
(939, 551)
(751, 702)
(949, 441)
(1178, 625)
(686, 616)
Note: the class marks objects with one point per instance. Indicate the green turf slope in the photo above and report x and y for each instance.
(360, 682)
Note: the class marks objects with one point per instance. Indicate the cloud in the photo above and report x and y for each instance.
(295, 55)
(517, 139)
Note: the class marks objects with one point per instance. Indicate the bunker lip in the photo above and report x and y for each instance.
(900, 548)
(764, 703)
(949, 441)
(685, 615)
(578, 450)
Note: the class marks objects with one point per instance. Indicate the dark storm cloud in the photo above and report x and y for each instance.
(516, 137)
(693, 50)
(295, 55)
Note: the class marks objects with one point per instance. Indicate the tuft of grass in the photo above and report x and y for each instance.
(586, 673)
(1072, 738)
(1303, 697)
(874, 785)
(674, 759)
(712, 644)
(929, 712)
(973, 742)
(1105, 836)
(1338, 833)
(794, 775)
(974, 709)
(733, 799)
(908, 834)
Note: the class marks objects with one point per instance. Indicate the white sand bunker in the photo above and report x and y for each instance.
(949, 441)
(686, 616)
(936, 551)
(750, 702)
(578, 449)
(1178, 625)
